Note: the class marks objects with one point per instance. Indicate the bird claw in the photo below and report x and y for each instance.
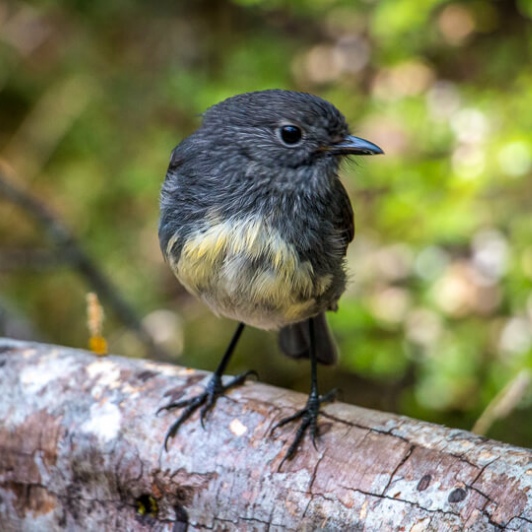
(205, 401)
(309, 421)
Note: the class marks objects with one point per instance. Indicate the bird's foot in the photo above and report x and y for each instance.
(204, 401)
(309, 422)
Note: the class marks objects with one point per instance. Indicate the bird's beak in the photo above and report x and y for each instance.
(350, 145)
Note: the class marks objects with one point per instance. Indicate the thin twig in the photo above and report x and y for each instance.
(504, 402)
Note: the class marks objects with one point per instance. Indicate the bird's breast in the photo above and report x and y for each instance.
(243, 268)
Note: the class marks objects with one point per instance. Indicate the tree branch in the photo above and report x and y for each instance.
(81, 448)
(72, 253)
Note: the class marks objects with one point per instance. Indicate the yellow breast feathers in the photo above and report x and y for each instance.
(246, 260)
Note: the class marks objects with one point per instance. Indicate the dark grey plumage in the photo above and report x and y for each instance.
(256, 223)
(236, 166)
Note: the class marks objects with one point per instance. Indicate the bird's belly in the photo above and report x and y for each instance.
(245, 270)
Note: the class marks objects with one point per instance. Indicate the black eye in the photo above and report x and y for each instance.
(291, 134)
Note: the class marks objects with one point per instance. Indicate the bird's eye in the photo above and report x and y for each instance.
(290, 134)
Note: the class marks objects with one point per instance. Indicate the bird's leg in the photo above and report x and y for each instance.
(214, 389)
(309, 414)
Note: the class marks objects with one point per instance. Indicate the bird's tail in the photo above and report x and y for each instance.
(294, 340)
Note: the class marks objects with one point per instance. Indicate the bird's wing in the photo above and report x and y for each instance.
(344, 218)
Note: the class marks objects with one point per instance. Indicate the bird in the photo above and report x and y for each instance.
(255, 222)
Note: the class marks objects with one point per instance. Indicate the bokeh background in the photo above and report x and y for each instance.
(437, 320)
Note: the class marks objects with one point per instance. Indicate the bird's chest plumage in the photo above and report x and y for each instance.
(243, 268)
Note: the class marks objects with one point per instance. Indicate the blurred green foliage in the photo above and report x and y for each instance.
(438, 316)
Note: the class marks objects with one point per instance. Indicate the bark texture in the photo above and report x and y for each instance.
(82, 449)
